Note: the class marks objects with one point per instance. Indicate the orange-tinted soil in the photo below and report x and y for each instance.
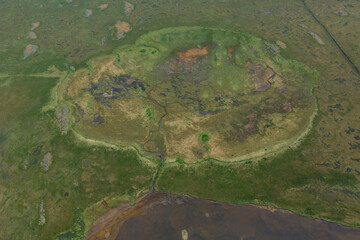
(262, 76)
(193, 53)
(103, 6)
(35, 25)
(281, 44)
(230, 51)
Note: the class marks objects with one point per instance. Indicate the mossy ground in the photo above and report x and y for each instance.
(205, 80)
(321, 178)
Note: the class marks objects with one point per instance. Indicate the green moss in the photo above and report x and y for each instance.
(23, 126)
(262, 181)
(207, 148)
(150, 113)
(204, 137)
(180, 159)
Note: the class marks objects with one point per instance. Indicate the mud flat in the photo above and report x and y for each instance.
(160, 215)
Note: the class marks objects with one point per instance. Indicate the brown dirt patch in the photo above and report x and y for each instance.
(29, 49)
(193, 53)
(32, 35)
(103, 6)
(281, 44)
(35, 25)
(121, 28)
(230, 50)
(262, 76)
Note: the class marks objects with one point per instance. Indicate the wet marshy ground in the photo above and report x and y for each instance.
(164, 216)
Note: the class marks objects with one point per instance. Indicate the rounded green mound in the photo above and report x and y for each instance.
(205, 138)
(175, 84)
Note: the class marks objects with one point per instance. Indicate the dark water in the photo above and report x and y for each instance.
(202, 219)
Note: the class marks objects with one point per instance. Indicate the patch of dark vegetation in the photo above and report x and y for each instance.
(78, 112)
(37, 150)
(354, 145)
(322, 164)
(110, 87)
(339, 178)
(97, 120)
(339, 80)
(240, 102)
(262, 76)
(355, 159)
(336, 106)
(33, 161)
(4, 175)
(351, 130)
(150, 113)
(104, 102)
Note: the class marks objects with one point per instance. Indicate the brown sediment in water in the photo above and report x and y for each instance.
(108, 225)
(160, 215)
